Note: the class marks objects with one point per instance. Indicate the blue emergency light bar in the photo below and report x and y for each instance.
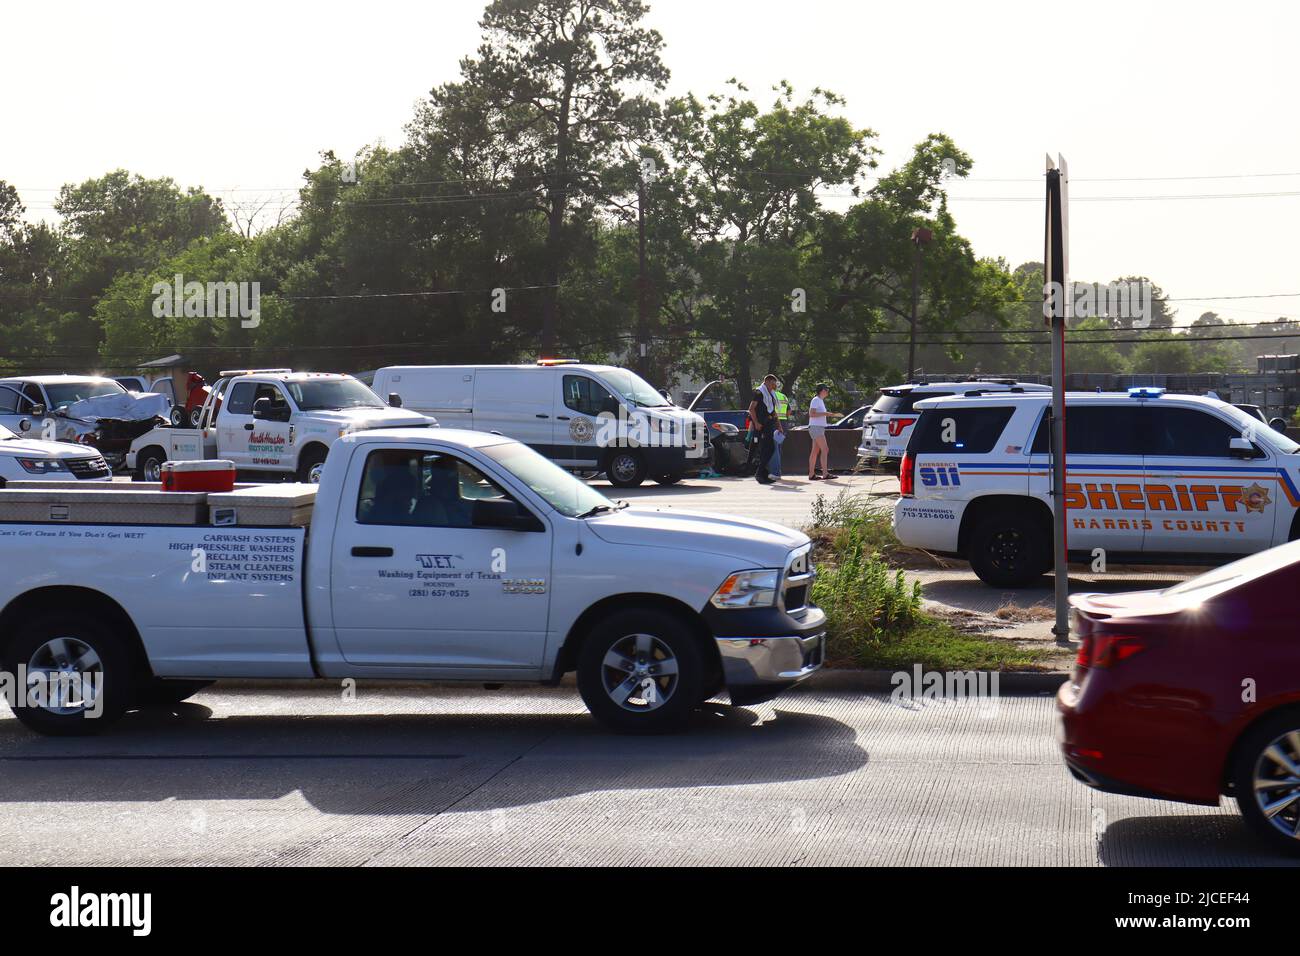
(1145, 391)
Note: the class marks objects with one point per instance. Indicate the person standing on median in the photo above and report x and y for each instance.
(817, 416)
(782, 415)
(762, 412)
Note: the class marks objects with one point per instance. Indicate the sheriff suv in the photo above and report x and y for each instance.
(888, 424)
(1150, 479)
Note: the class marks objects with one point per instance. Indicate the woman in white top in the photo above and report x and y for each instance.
(817, 415)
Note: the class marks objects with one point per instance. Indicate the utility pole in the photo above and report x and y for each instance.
(1056, 309)
(920, 236)
(642, 282)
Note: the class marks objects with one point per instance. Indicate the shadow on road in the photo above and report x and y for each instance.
(1187, 840)
(419, 764)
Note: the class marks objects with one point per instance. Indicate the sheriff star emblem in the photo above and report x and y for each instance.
(1255, 498)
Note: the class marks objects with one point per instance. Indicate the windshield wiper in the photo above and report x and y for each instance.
(595, 510)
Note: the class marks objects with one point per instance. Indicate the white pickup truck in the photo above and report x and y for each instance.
(272, 421)
(432, 554)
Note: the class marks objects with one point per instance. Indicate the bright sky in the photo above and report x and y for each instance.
(240, 97)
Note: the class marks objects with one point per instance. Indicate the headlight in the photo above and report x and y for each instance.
(42, 466)
(748, 589)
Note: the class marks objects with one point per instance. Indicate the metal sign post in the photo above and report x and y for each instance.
(1056, 310)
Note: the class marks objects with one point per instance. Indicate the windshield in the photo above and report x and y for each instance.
(563, 492)
(65, 393)
(633, 388)
(1250, 426)
(333, 394)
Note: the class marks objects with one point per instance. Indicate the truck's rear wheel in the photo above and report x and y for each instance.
(625, 468)
(79, 676)
(640, 671)
(1008, 549)
(148, 464)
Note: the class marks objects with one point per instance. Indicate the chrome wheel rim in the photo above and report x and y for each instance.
(639, 673)
(313, 473)
(624, 467)
(54, 662)
(1277, 784)
(152, 470)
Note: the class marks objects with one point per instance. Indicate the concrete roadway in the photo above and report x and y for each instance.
(256, 775)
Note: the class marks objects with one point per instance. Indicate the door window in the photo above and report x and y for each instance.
(415, 488)
(587, 397)
(240, 401)
(1095, 430)
(8, 400)
(1190, 433)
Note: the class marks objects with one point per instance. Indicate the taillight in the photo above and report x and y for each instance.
(906, 478)
(1104, 651)
(896, 426)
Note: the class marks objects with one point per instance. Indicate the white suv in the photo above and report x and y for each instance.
(30, 459)
(888, 425)
(1151, 478)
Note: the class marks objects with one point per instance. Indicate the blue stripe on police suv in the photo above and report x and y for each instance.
(939, 476)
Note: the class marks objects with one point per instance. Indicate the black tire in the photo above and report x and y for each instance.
(1008, 549)
(1282, 830)
(149, 458)
(196, 416)
(312, 458)
(31, 646)
(652, 705)
(668, 479)
(176, 416)
(625, 468)
(158, 692)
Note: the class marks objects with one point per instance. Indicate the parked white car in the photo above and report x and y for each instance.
(587, 418)
(888, 425)
(30, 459)
(1150, 478)
(275, 421)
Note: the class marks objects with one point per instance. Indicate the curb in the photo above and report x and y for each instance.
(873, 681)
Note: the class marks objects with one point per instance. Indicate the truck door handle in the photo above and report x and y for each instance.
(563, 418)
(248, 427)
(365, 552)
(540, 415)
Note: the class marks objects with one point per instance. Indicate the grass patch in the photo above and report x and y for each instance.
(874, 616)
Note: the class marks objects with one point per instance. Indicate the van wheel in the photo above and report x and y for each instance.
(159, 692)
(668, 479)
(148, 464)
(1266, 780)
(625, 469)
(640, 671)
(309, 466)
(83, 669)
(1008, 549)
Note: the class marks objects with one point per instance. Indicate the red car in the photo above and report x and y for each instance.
(1193, 692)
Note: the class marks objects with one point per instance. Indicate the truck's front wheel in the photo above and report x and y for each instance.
(78, 674)
(640, 671)
(310, 465)
(625, 468)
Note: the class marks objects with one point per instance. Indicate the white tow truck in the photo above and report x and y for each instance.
(430, 554)
(273, 421)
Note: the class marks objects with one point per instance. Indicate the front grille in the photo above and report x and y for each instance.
(798, 579)
(87, 467)
(796, 597)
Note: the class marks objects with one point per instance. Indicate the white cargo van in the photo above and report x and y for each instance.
(596, 418)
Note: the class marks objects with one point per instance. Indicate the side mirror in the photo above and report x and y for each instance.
(503, 513)
(1277, 424)
(37, 411)
(1241, 448)
(394, 400)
